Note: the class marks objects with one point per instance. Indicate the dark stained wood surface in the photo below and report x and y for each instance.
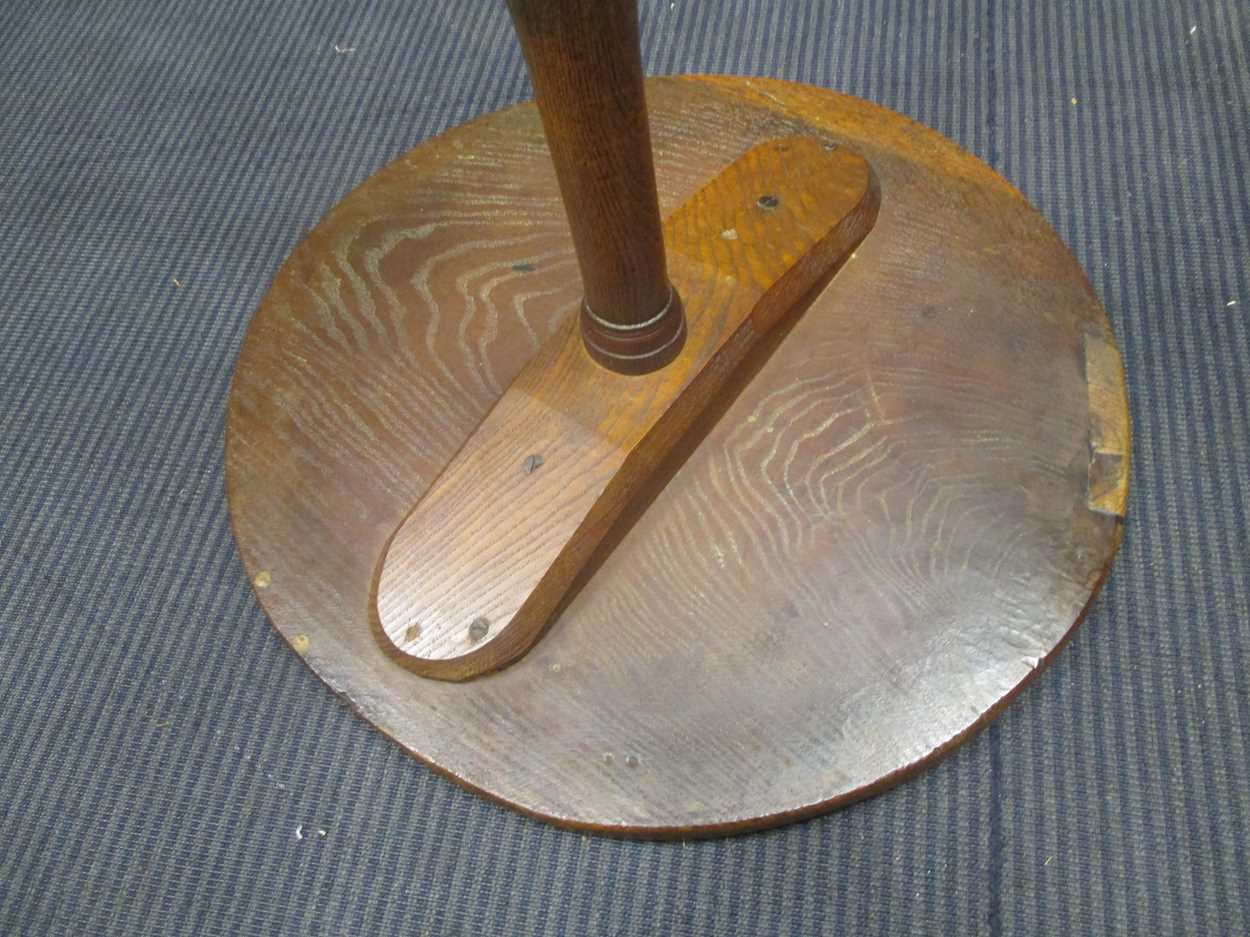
(478, 568)
(889, 529)
(586, 68)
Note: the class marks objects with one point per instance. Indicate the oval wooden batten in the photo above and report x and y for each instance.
(477, 569)
(875, 518)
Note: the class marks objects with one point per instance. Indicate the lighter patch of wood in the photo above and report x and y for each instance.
(1109, 427)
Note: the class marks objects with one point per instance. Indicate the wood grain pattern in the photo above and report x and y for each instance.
(476, 571)
(586, 68)
(883, 537)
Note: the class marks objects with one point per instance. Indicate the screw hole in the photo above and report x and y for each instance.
(479, 629)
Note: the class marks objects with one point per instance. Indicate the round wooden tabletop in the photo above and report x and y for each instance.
(892, 526)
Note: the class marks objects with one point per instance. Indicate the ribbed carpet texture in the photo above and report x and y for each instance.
(168, 766)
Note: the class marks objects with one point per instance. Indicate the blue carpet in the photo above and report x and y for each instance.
(168, 767)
